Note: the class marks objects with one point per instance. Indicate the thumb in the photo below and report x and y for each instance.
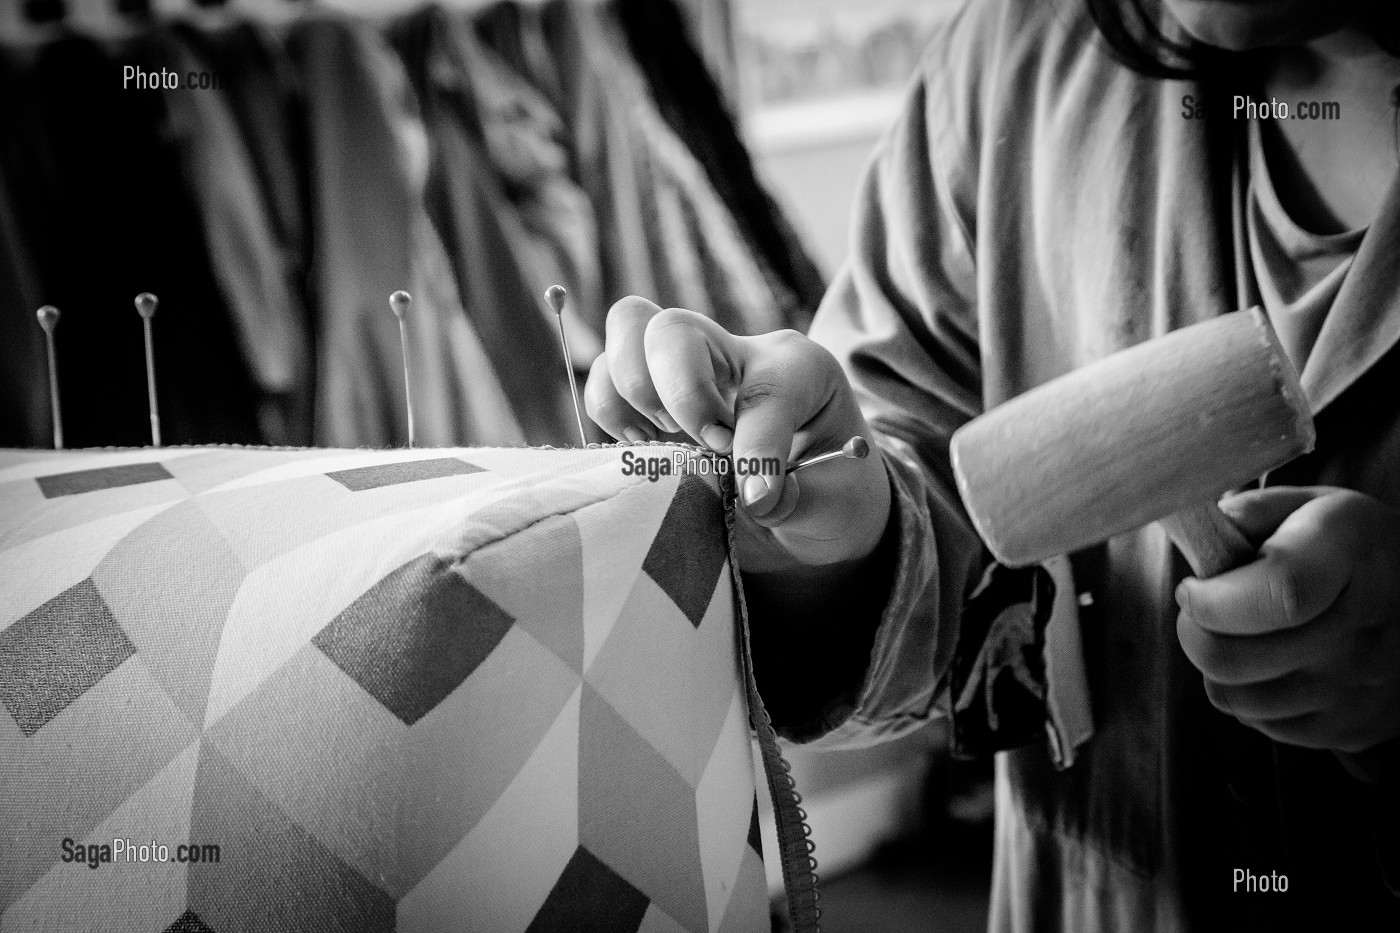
(1259, 512)
(785, 381)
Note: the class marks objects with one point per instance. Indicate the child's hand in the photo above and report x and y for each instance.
(767, 400)
(1303, 643)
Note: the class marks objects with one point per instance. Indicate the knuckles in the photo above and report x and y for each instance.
(795, 348)
(756, 392)
(628, 310)
(1348, 676)
(668, 321)
(607, 412)
(633, 386)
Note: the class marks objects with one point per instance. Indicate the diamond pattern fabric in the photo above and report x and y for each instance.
(81, 481)
(394, 474)
(486, 690)
(56, 653)
(591, 896)
(688, 551)
(415, 636)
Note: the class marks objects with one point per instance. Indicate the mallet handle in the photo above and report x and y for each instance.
(1210, 542)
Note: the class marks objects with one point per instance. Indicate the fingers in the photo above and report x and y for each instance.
(1258, 512)
(1264, 681)
(1234, 660)
(669, 366)
(787, 380)
(627, 363)
(1300, 572)
(687, 364)
(762, 442)
(609, 410)
(777, 512)
(1294, 694)
(1297, 645)
(673, 370)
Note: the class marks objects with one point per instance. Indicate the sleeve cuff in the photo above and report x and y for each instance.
(904, 679)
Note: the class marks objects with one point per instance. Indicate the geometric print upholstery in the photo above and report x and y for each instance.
(491, 690)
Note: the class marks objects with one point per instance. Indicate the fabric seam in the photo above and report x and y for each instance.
(795, 846)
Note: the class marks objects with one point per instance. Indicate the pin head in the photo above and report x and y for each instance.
(399, 302)
(146, 305)
(856, 448)
(556, 296)
(48, 317)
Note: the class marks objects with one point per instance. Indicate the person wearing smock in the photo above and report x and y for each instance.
(1068, 179)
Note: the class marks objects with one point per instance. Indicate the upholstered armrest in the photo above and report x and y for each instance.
(477, 690)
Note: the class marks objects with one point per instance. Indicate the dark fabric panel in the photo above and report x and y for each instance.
(689, 99)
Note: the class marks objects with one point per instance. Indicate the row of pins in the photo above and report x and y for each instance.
(48, 316)
(399, 304)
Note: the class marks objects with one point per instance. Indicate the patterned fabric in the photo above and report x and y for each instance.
(486, 690)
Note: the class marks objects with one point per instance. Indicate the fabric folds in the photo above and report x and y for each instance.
(471, 158)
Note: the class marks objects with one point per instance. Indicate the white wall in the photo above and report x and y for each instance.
(817, 186)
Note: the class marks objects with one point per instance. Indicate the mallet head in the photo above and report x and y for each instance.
(1132, 438)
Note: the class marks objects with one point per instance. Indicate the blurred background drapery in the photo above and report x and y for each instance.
(472, 155)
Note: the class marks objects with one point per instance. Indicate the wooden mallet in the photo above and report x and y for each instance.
(1157, 432)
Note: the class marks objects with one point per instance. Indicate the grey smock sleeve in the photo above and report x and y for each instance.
(901, 318)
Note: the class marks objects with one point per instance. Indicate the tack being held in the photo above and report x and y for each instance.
(686, 463)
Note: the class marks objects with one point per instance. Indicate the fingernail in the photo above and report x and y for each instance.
(717, 437)
(755, 488)
(668, 423)
(635, 435)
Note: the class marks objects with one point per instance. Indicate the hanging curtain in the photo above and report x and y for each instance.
(471, 158)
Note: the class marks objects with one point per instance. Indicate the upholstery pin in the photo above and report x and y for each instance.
(854, 449)
(48, 319)
(556, 296)
(146, 307)
(398, 303)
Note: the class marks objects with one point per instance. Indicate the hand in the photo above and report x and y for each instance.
(1303, 644)
(765, 399)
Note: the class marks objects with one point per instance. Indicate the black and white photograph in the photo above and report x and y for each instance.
(699, 466)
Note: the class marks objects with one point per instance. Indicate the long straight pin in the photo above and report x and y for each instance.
(398, 303)
(854, 449)
(48, 319)
(557, 296)
(146, 307)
